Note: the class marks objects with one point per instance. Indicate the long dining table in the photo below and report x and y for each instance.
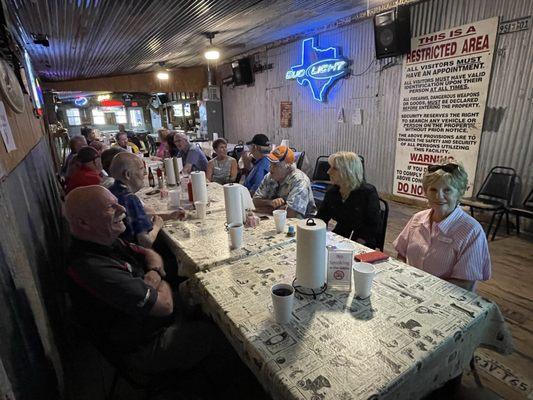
(414, 332)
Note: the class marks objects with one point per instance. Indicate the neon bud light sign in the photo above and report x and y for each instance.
(319, 68)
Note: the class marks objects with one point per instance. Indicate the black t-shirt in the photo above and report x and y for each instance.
(360, 213)
(110, 296)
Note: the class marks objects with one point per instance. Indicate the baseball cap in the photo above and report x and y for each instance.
(87, 154)
(281, 153)
(259, 140)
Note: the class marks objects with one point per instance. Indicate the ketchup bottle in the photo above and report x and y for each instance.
(189, 189)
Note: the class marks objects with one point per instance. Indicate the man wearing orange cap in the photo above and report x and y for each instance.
(285, 187)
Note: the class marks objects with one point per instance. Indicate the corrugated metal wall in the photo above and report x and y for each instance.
(255, 109)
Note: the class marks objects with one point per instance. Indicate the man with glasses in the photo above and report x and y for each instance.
(259, 148)
(89, 171)
(285, 187)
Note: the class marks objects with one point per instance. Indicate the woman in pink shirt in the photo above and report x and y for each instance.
(163, 151)
(444, 240)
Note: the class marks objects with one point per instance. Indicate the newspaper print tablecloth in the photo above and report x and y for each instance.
(200, 245)
(215, 195)
(413, 334)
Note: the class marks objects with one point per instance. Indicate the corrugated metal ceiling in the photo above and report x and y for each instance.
(90, 38)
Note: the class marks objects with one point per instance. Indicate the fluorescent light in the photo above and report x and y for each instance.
(212, 54)
(162, 75)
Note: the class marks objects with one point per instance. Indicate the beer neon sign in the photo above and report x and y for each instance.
(319, 68)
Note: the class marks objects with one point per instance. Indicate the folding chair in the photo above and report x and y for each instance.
(320, 182)
(525, 211)
(494, 196)
(300, 160)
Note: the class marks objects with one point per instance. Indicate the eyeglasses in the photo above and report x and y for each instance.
(446, 167)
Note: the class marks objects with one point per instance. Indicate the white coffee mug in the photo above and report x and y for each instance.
(201, 207)
(282, 301)
(174, 198)
(280, 217)
(235, 230)
(363, 276)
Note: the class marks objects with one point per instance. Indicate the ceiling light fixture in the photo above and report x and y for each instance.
(211, 53)
(162, 75)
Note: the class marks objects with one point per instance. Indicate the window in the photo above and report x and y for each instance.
(98, 117)
(121, 117)
(136, 117)
(73, 116)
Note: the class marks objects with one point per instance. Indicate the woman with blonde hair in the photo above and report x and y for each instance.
(352, 202)
(444, 240)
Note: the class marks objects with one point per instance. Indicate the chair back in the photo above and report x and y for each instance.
(528, 201)
(237, 151)
(300, 161)
(384, 217)
(363, 163)
(498, 184)
(320, 172)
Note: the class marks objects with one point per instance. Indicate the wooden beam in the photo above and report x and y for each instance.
(192, 79)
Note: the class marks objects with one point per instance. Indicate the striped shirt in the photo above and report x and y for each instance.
(454, 248)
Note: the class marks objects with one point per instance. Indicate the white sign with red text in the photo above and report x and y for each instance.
(445, 80)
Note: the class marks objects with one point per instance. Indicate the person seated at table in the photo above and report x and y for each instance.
(128, 172)
(107, 156)
(89, 170)
(75, 144)
(163, 150)
(221, 169)
(123, 141)
(193, 157)
(259, 165)
(444, 240)
(352, 202)
(99, 146)
(123, 302)
(284, 187)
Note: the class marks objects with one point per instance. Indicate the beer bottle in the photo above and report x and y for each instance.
(151, 180)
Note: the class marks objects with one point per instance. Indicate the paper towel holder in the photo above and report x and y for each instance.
(308, 291)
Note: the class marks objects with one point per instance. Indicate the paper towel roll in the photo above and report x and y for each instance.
(169, 172)
(311, 253)
(199, 188)
(176, 169)
(235, 212)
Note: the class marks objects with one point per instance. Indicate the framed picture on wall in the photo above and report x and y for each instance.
(286, 114)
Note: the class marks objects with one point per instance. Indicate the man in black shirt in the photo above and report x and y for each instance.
(121, 298)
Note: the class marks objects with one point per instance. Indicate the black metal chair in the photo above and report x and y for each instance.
(152, 145)
(300, 160)
(494, 196)
(320, 182)
(384, 217)
(525, 211)
(237, 151)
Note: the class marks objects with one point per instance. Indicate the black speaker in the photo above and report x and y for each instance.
(242, 72)
(392, 32)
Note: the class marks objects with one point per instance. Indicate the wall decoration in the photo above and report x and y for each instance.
(10, 88)
(443, 92)
(319, 68)
(80, 101)
(340, 116)
(286, 114)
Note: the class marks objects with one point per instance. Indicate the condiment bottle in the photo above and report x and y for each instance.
(151, 180)
(189, 190)
(159, 178)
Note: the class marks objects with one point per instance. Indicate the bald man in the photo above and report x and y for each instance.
(119, 296)
(193, 157)
(128, 172)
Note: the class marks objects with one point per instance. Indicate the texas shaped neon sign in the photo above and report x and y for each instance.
(319, 68)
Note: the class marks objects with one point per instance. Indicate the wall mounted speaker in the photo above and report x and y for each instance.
(242, 72)
(392, 32)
